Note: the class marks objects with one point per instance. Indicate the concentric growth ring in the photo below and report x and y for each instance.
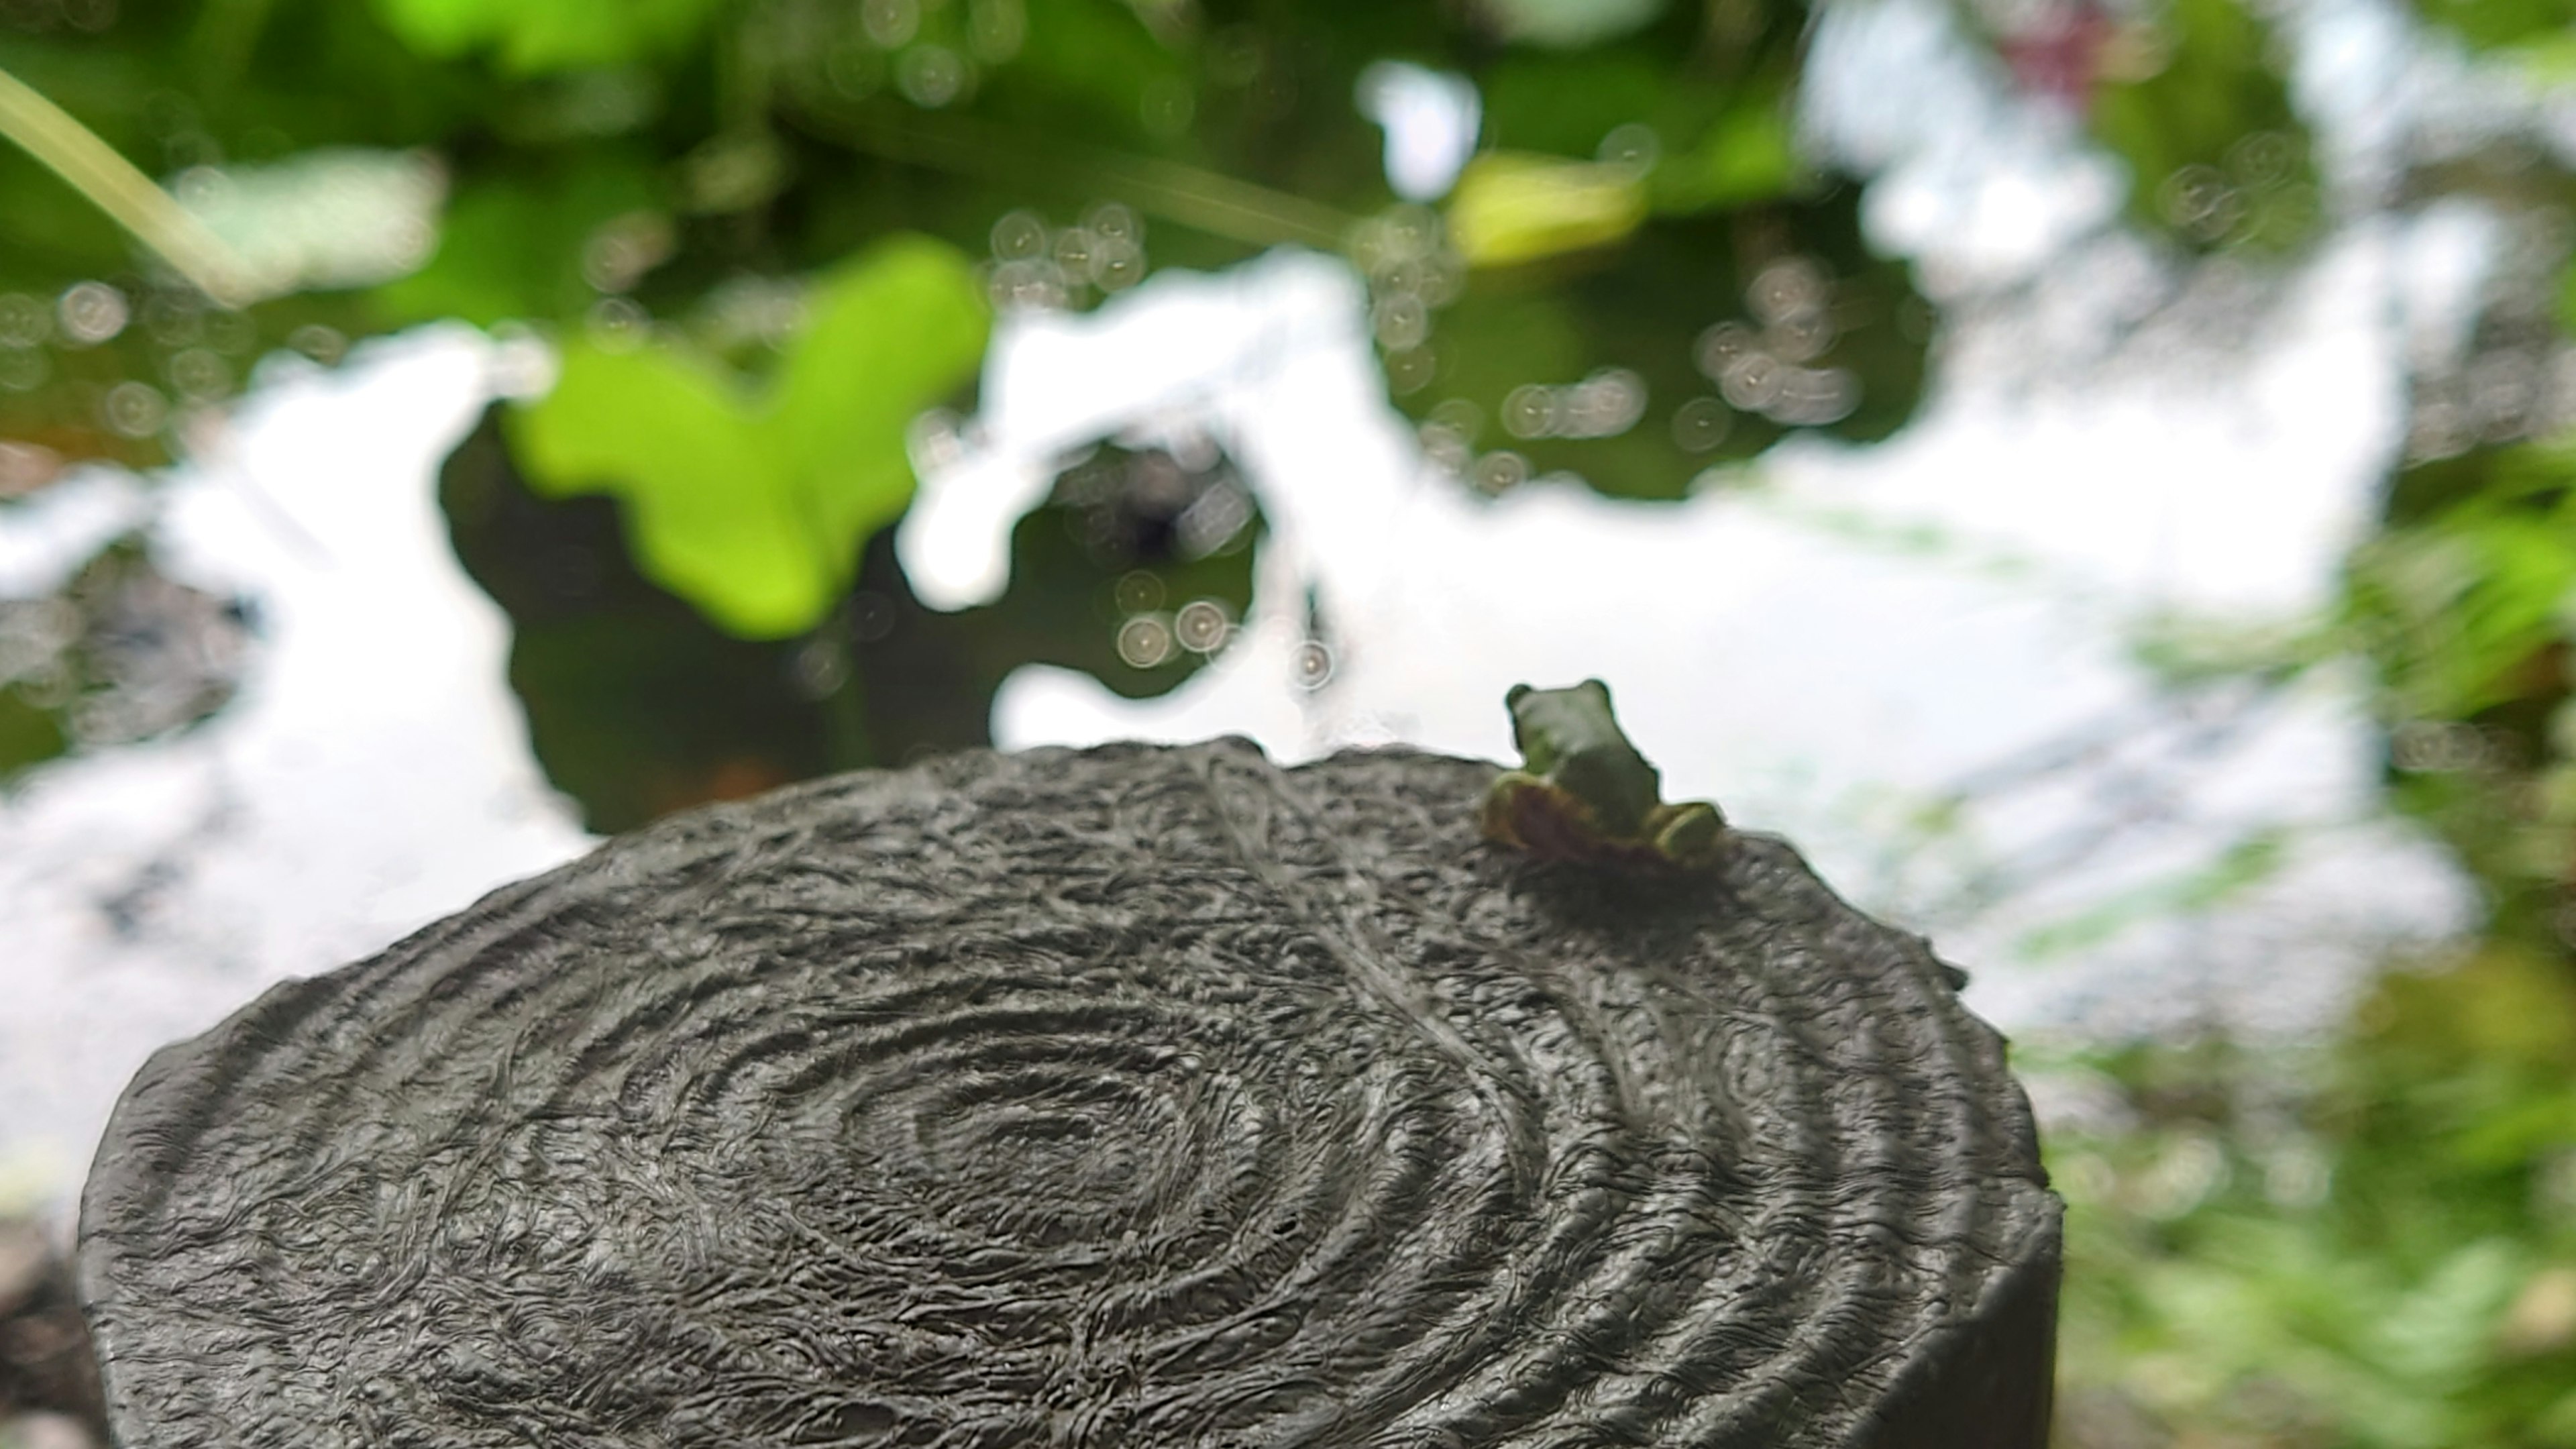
(1134, 1097)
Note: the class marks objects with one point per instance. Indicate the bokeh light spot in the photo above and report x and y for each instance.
(1202, 625)
(1701, 424)
(91, 313)
(1145, 641)
(134, 409)
(1311, 666)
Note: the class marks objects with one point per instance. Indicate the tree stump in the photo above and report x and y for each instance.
(1131, 1097)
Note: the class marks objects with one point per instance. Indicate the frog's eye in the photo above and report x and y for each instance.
(1513, 695)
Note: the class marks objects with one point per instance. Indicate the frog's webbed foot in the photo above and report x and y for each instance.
(1691, 833)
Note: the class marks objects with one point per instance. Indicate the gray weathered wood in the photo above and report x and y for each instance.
(1133, 1097)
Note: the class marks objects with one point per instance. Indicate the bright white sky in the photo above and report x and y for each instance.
(1768, 647)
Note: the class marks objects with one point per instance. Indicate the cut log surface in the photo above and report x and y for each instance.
(1130, 1097)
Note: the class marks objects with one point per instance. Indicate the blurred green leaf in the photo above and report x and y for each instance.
(2440, 1329)
(1512, 207)
(698, 162)
(2217, 157)
(2490, 24)
(2463, 603)
(1712, 134)
(2497, 1007)
(751, 503)
(1747, 154)
(2331, 1269)
(513, 247)
(2550, 58)
(2556, 1425)
(1570, 23)
(1093, 59)
(1692, 340)
(1566, 105)
(28, 735)
(636, 704)
(536, 36)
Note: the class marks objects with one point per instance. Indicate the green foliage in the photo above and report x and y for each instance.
(750, 504)
(2217, 156)
(662, 185)
(1728, 330)
(2378, 1248)
(172, 89)
(2464, 603)
(1690, 144)
(1515, 207)
(512, 247)
(668, 149)
(1572, 22)
(29, 734)
(560, 35)
(2497, 24)
(2374, 1251)
(1744, 154)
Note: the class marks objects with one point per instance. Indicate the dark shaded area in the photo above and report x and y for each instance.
(122, 654)
(638, 706)
(1730, 330)
(1134, 1096)
(46, 1366)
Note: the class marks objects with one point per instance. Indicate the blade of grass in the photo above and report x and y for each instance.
(111, 183)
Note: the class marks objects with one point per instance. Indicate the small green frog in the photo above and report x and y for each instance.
(1584, 793)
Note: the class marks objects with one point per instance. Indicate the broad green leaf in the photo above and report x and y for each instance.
(752, 502)
(537, 36)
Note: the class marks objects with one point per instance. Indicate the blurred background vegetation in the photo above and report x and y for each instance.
(764, 238)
